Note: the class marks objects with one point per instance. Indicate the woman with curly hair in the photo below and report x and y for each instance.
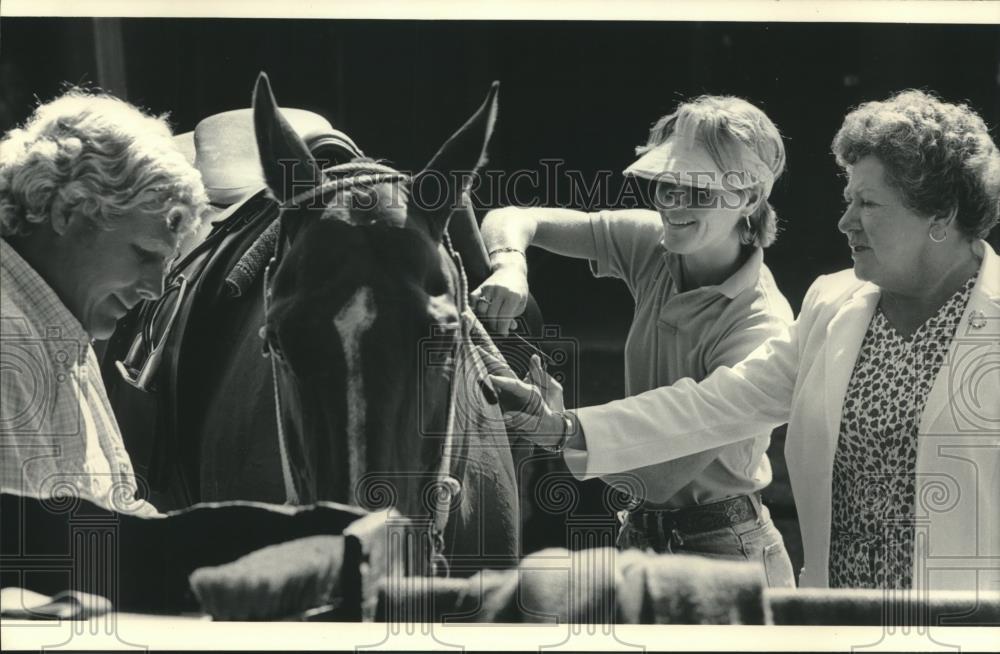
(704, 298)
(94, 196)
(887, 380)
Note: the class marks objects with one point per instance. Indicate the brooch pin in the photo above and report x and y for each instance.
(977, 319)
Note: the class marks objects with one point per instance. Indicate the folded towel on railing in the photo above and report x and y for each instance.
(407, 600)
(867, 607)
(278, 581)
(557, 585)
(684, 589)
(593, 586)
(22, 604)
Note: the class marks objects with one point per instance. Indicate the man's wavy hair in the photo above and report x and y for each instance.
(938, 155)
(93, 153)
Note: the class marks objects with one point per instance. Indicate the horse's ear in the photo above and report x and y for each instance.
(438, 189)
(288, 166)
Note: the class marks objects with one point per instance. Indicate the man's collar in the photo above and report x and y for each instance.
(44, 303)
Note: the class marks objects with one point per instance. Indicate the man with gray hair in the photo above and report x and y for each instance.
(94, 198)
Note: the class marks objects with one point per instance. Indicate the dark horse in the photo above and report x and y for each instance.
(373, 393)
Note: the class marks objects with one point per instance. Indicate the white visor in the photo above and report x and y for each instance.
(684, 160)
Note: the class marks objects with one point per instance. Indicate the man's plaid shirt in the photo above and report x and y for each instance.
(58, 434)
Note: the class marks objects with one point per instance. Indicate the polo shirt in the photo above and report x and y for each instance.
(58, 434)
(677, 334)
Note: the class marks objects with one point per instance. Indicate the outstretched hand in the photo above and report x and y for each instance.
(552, 390)
(532, 407)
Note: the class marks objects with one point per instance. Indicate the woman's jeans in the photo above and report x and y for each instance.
(756, 540)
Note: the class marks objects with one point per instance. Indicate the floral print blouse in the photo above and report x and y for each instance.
(874, 481)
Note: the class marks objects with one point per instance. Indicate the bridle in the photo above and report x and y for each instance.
(368, 174)
(142, 363)
(349, 175)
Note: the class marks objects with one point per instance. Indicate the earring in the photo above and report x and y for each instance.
(747, 237)
(943, 234)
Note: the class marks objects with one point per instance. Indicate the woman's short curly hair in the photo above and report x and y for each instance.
(93, 153)
(721, 122)
(938, 155)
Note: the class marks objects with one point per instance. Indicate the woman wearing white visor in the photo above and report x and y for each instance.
(703, 299)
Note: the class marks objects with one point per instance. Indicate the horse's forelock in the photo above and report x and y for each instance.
(365, 205)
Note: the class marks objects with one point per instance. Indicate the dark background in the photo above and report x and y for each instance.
(582, 92)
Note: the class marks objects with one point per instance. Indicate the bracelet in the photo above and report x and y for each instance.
(501, 250)
(564, 439)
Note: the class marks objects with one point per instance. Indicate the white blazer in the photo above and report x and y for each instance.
(801, 378)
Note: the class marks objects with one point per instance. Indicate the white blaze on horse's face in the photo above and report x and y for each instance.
(361, 236)
(353, 320)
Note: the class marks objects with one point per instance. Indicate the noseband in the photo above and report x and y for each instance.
(348, 176)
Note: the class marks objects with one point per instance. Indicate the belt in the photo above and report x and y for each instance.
(697, 519)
